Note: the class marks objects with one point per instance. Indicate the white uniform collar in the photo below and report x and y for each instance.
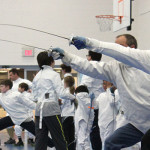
(24, 92)
(17, 80)
(67, 74)
(46, 66)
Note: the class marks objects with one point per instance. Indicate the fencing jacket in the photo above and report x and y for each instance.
(132, 85)
(139, 59)
(83, 111)
(107, 113)
(94, 85)
(16, 105)
(48, 81)
(67, 107)
(20, 80)
(28, 95)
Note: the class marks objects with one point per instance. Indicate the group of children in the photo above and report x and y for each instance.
(68, 113)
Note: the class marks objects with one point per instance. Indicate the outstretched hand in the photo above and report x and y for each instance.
(57, 53)
(79, 42)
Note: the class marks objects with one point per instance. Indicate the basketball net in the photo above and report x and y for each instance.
(105, 22)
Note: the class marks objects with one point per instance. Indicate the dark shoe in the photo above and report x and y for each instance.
(10, 141)
(20, 143)
(31, 142)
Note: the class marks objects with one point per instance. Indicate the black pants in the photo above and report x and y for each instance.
(69, 132)
(95, 134)
(29, 126)
(145, 143)
(54, 125)
(7, 122)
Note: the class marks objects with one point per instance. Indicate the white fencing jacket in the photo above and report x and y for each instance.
(28, 95)
(20, 80)
(94, 85)
(139, 59)
(132, 85)
(83, 111)
(16, 106)
(67, 107)
(47, 81)
(107, 108)
(107, 113)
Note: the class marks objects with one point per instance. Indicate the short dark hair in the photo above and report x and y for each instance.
(66, 68)
(131, 40)
(7, 83)
(95, 56)
(14, 71)
(24, 86)
(81, 88)
(44, 59)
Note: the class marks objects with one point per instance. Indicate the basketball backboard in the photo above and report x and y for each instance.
(122, 8)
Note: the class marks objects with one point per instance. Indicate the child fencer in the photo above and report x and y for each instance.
(15, 78)
(23, 88)
(47, 88)
(107, 105)
(67, 112)
(16, 106)
(84, 116)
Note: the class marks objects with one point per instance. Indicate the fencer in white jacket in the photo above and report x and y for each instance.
(18, 129)
(133, 99)
(107, 105)
(20, 80)
(94, 86)
(67, 107)
(23, 87)
(14, 104)
(84, 116)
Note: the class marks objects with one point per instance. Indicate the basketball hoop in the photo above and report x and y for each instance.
(105, 21)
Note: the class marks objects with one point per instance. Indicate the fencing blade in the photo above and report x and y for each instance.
(23, 44)
(19, 26)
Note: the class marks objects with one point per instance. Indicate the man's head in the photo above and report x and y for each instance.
(13, 74)
(94, 56)
(5, 85)
(23, 87)
(126, 40)
(44, 59)
(65, 69)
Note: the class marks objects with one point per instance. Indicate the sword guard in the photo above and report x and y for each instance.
(70, 39)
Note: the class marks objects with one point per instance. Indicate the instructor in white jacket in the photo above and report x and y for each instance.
(134, 100)
(139, 59)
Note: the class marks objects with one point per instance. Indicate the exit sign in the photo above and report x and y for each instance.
(28, 51)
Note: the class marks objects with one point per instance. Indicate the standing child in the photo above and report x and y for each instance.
(47, 88)
(68, 111)
(23, 88)
(107, 111)
(84, 117)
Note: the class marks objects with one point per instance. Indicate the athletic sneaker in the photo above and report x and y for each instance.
(20, 143)
(31, 142)
(10, 141)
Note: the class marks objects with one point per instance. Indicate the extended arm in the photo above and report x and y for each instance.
(103, 71)
(139, 59)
